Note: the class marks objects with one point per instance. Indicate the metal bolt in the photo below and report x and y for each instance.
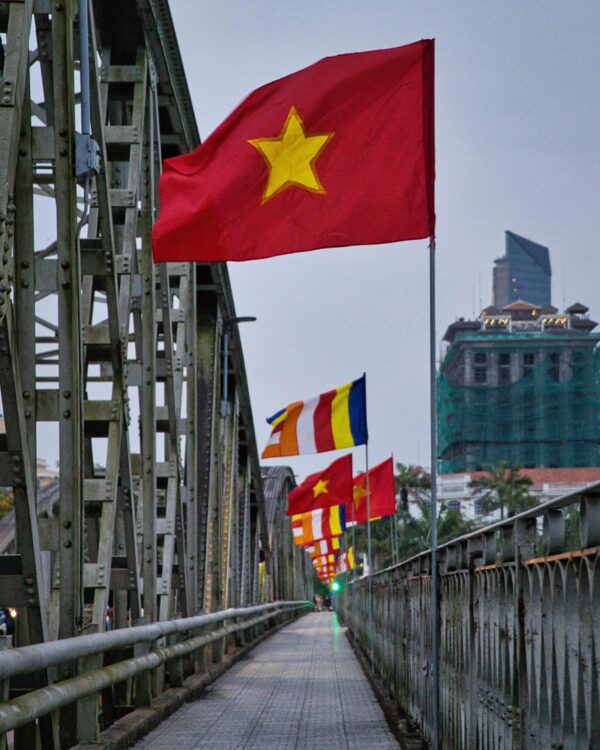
(67, 394)
(66, 524)
(66, 413)
(68, 543)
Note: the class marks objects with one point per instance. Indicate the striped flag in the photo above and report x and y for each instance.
(323, 523)
(336, 419)
(324, 547)
(346, 561)
(330, 559)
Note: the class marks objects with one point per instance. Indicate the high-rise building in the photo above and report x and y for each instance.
(520, 384)
(523, 273)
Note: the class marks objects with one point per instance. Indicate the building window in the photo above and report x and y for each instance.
(478, 506)
(528, 362)
(577, 364)
(480, 374)
(480, 358)
(504, 368)
(453, 505)
(554, 369)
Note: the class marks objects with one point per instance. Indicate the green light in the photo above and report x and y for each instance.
(335, 586)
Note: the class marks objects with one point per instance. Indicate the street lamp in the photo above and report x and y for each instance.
(227, 323)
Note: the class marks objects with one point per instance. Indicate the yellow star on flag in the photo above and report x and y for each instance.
(320, 487)
(358, 492)
(291, 157)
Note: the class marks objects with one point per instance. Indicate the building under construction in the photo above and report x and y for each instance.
(520, 384)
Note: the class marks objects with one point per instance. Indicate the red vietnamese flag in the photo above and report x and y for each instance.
(381, 489)
(339, 153)
(332, 486)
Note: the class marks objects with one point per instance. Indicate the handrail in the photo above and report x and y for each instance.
(40, 656)
(37, 703)
(517, 606)
(538, 510)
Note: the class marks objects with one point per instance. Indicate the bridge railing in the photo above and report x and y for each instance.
(158, 656)
(519, 631)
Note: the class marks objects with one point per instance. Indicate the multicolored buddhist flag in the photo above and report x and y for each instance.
(339, 153)
(346, 561)
(323, 523)
(330, 559)
(336, 419)
(332, 486)
(381, 490)
(324, 547)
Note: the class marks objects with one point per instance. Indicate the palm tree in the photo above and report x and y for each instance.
(410, 479)
(504, 487)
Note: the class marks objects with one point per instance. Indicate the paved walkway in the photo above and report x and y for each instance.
(301, 688)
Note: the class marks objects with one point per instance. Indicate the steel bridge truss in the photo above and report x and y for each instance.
(161, 510)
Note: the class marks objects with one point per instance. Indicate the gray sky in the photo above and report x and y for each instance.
(517, 129)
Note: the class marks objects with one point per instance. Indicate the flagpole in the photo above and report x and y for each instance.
(393, 524)
(434, 540)
(369, 579)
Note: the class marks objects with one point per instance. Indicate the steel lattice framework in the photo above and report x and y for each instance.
(160, 508)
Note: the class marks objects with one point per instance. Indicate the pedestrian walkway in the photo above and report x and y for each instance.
(302, 688)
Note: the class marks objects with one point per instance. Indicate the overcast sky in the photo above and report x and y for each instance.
(518, 147)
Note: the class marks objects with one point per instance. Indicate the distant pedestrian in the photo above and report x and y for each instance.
(7, 624)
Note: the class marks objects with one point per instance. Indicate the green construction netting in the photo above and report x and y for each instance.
(535, 421)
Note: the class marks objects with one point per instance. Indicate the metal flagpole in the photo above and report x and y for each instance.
(434, 568)
(393, 527)
(369, 580)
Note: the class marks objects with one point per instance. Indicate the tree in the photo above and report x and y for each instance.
(504, 487)
(414, 533)
(410, 479)
(6, 502)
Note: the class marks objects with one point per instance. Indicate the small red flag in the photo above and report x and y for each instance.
(339, 153)
(381, 490)
(332, 486)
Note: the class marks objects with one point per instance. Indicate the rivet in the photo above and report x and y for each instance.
(66, 413)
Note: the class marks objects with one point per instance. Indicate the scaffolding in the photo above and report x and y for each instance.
(544, 418)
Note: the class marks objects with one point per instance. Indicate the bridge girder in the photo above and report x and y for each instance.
(161, 508)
